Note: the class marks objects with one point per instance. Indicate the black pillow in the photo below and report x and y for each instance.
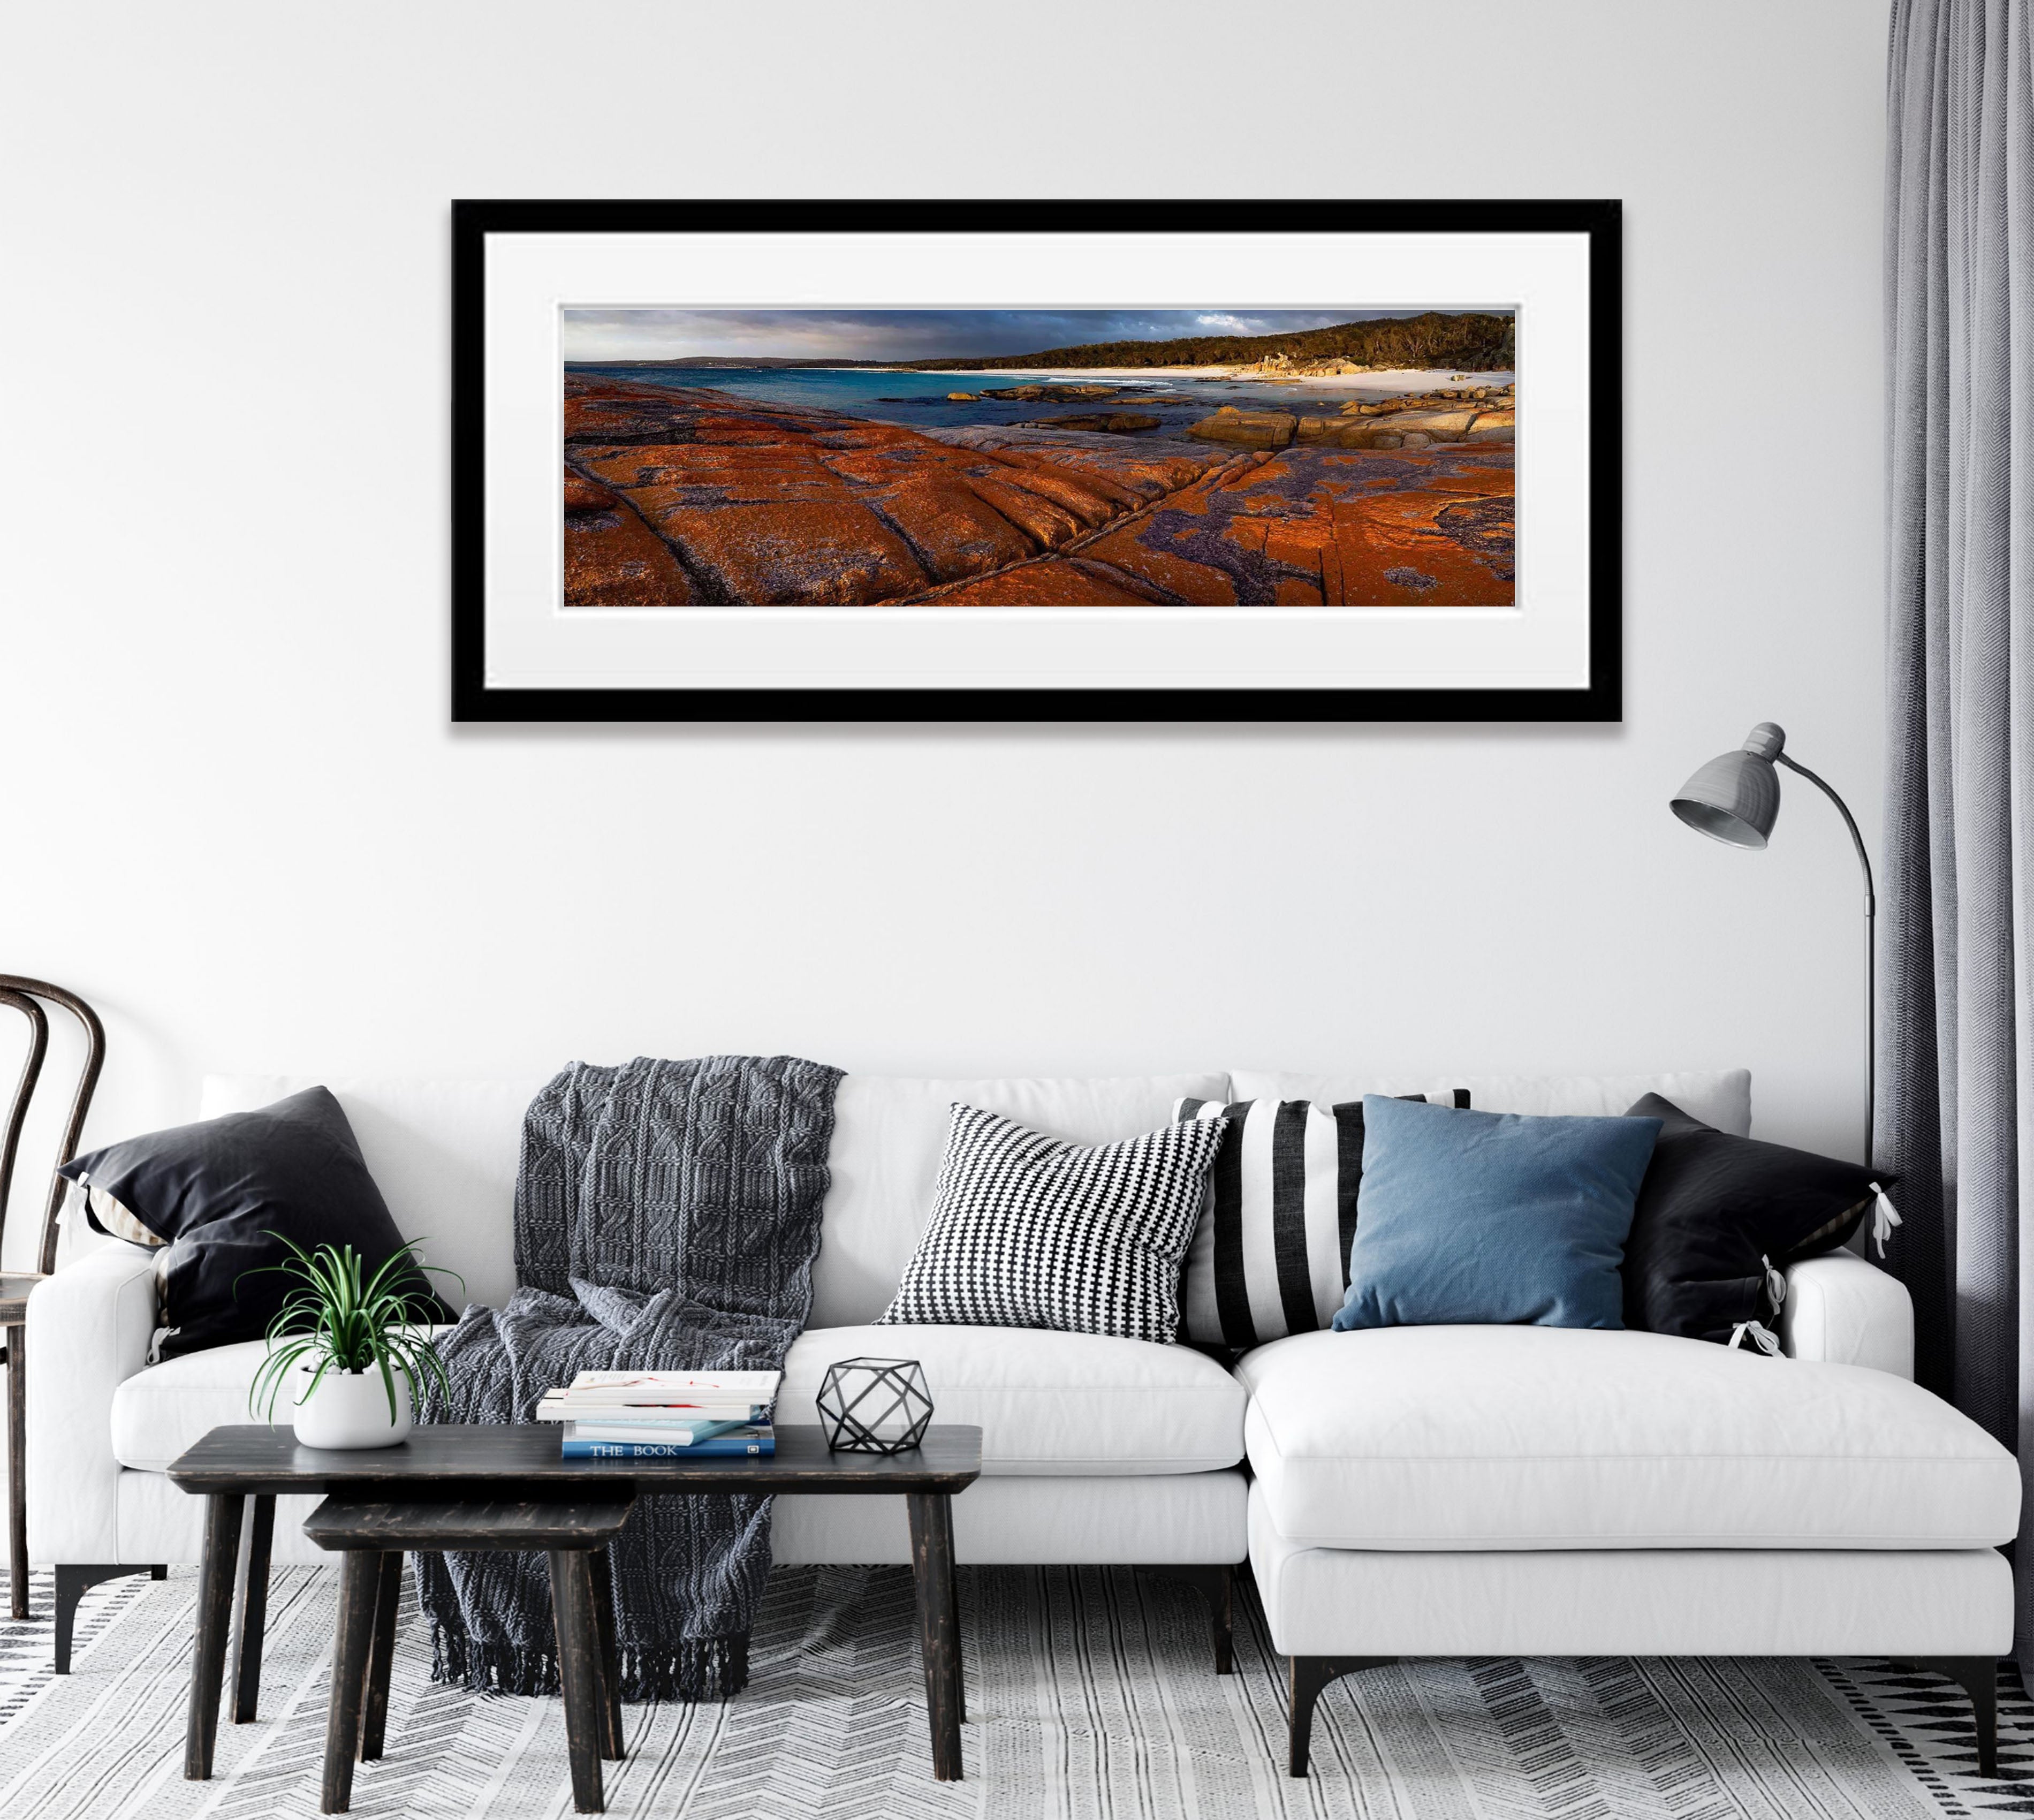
(220, 1190)
(1716, 1211)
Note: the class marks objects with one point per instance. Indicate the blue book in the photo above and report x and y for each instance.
(722, 1446)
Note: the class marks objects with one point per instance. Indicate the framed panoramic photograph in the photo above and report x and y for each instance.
(1262, 461)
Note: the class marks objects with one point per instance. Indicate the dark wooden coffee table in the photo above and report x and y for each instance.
(452, 1463)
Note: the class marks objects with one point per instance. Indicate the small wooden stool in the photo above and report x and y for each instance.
(373, 1538)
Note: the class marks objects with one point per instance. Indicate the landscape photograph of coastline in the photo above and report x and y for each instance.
(1356, 457)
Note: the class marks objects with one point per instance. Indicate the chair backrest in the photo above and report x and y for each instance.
(23, 995)
(25, 1091)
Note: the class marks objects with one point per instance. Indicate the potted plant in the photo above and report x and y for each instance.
(349, 1351)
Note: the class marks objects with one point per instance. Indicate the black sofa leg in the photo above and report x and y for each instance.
(1978, 1676)
(1217, 1585)
(1307, 1676)
(72, 1582)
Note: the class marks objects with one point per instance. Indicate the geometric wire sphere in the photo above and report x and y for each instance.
(874, 1405)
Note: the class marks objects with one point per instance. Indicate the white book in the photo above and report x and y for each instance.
(652, 1415)
(629, 1431)
(557, 1406)
(677, 1386)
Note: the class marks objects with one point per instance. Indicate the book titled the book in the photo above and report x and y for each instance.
(721, 1446)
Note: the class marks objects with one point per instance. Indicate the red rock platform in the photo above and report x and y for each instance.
(677, 497)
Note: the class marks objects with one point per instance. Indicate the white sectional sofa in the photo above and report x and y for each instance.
(1408, 1491)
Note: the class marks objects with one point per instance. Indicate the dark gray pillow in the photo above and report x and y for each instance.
(221, 1192)
(1715, 1211)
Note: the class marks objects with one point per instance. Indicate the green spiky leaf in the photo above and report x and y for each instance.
(334, 1318)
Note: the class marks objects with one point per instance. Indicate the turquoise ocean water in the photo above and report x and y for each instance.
(920, 399)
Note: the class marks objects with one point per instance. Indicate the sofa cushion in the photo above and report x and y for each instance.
(1051, 1405)
(1028, 1231)
(1269, 1255)
(158, 1412)
(1576, 1438)
(1048, 1404)
(1719, 1097)
(889, 1131)
(1719, 1217)
(242, 1199)
(1506, 1602)
(444, 1153)
(1467, 1217)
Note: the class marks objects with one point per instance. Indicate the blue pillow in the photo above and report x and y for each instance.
(1481, 1219)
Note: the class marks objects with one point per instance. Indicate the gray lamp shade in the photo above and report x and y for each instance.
(1736, 798)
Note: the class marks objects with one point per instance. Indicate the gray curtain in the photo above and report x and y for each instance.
(1955, 1112)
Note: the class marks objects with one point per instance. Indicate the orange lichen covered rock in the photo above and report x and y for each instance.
(613, 559)
(759, 523)
(1312, 525)
(585, 495)
(805, 553)
(674, 496)
(769, 505)
(951, 528)
(1252, 428)
(1055, 581)
(1141, 471)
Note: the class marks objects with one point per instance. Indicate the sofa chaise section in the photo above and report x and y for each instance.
(1548, 1491)
(1530, 1437)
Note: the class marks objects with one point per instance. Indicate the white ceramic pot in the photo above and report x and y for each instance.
(348, 1410)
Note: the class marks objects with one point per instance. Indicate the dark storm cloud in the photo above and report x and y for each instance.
(909, 334)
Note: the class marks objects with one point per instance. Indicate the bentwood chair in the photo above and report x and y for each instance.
(24, 995)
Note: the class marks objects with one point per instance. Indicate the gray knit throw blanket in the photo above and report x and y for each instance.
(667, 1215)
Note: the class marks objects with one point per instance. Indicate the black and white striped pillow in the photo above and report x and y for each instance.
(1269, 1255)
(1029, 1231)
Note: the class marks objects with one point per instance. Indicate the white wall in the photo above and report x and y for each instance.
(233, 812)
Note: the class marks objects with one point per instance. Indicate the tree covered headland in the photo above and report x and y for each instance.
(1467, 340)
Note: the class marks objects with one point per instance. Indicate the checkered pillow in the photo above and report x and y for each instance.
(1029, 1231)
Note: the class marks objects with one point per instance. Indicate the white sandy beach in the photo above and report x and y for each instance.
(1403, 380)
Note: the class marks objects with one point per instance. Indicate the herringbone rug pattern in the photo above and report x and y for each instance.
(1090, 1694)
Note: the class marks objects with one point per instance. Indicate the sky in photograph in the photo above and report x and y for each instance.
(909, 334)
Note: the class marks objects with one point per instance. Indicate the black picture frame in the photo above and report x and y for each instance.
(473, 699)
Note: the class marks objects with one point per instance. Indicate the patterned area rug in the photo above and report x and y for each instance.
(1090, 1696)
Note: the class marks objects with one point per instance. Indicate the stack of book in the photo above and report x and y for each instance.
(664, 1415)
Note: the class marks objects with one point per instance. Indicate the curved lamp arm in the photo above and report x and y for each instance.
(1843, 809)
(1871, 949)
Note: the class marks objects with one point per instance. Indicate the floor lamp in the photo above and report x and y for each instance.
(1735, 798)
